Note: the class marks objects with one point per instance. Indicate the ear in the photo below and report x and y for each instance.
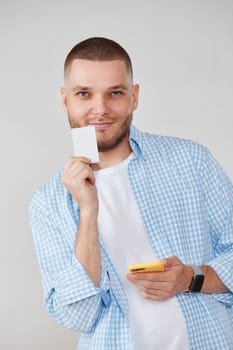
(64, 98)
(135, 96)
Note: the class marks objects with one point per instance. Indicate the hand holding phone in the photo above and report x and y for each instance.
(152, 266)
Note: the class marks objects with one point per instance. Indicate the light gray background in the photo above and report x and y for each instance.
(182, 53)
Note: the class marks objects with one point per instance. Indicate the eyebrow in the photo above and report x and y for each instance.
(85, 88)
(80, 88)
(119, 86)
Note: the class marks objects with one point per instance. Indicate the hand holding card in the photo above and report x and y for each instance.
(85, 143)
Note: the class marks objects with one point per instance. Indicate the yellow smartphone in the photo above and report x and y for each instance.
(152, 266)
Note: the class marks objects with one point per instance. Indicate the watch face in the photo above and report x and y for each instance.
(196, 283)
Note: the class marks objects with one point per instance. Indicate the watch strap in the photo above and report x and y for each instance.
(197, 280)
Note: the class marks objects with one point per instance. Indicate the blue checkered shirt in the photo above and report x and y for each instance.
(186, 203)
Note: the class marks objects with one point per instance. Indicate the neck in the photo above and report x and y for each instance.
(114, 156)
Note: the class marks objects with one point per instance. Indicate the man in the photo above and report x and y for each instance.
(149, 198)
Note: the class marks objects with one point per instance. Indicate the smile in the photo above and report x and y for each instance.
(103, 125)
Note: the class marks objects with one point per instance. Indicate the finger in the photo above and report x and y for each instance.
(149, 276)
(81, 159)
(159, 291)
(158, 295)
(89, 176)
(75, 167)
(75, 170)
(171, 261)
(73, 161)
(151, 285)
(83, 174)
(77, 176)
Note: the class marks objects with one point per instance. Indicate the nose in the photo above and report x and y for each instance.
(99, 106)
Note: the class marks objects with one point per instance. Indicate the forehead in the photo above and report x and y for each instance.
(89, 73)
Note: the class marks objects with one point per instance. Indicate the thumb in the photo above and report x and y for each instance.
(170, 262)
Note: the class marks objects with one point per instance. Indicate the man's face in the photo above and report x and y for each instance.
(100, 94)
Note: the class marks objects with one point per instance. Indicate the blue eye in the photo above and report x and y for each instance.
(116, 93)
(82, 93)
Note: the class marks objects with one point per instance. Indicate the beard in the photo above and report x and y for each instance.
(107, 143)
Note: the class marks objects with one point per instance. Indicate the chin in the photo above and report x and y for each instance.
(108, 145)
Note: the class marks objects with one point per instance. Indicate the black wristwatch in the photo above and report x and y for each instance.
(197, 280)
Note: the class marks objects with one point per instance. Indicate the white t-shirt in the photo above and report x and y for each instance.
(154, 324)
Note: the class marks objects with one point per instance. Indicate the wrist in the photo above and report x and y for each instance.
(88, 213)
(188, 276)
(197, 280)
(87, 229)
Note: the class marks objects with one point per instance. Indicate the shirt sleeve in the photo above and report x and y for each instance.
(218, 191)
(70, 296)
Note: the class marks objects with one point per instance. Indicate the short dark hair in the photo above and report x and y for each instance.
(98, 49)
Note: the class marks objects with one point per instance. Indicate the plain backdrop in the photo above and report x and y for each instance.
(183, 60)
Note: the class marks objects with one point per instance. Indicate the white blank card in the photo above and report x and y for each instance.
(85, 143)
